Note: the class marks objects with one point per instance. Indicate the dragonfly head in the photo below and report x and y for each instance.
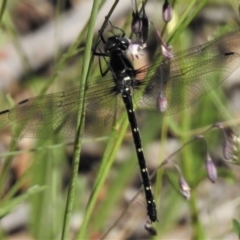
(116, 43)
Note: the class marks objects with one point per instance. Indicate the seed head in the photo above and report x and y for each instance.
(184, 188)
(235, 150)
(167, 12)
(140, 25)
(211, 169)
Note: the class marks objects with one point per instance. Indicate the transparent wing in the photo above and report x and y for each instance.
(225, 43)
(189, 75)
(43, 116)
(180, 81)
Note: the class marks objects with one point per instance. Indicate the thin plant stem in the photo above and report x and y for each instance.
(80, 123)
(113, 145)
(3, 8)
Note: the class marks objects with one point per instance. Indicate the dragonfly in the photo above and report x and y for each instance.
(168, 86)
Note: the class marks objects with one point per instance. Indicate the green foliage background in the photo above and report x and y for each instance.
(53, 205)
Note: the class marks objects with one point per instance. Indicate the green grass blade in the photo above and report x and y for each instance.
(77, 145)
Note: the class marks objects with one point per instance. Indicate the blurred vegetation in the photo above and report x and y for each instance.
(39, 173)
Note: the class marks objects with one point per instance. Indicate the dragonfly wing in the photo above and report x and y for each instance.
(188, 85)
(40, 116)
(228, 42)
(43, 116)
(178, 84)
